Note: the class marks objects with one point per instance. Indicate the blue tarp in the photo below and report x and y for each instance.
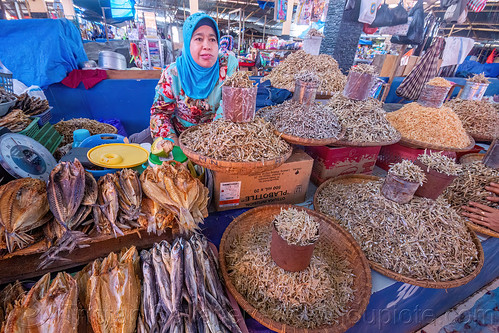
(40, 51)
(469, 67)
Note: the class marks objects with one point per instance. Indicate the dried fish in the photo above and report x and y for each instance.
(478, 78)
(236, 142)
(439, 82)
(424, 239)
(239, 80)
(67, 127)
(296, 227)
(15, 120)
(312, 32)
(364, 69)
(6, 96)
(11, 295)
(316, 121)
(30, 105)
(408, 171)
(439, 162)
(307, 76)
(479, 117)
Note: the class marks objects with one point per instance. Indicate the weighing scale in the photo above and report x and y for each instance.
(22, 156)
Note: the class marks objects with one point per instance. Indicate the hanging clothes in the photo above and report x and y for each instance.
(456, 50)
(425, 69)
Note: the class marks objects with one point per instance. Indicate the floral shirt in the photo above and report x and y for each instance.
(173, 111)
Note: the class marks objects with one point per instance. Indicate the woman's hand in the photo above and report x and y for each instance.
(494, 189)
(483, 214)
(174, 137)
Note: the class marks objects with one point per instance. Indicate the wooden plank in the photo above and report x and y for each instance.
(133, 74)
(24, 266)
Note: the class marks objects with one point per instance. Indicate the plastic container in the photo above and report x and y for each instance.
(312, 45)
(397, 189)
(396, 153)
(292, 258)
(491, 158)
(101, 139)
(239, 104)
(305, 92)
(5, 107)
(32, 128)
(44, 116)
(436, 182)
(474, 91)
(358, 86)
(6, 79)
(79, 135)
(433, 96)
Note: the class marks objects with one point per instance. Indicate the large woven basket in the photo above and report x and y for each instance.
(330, 232)
(356, 179)
(470, 158)
(311, 142)
(342, 143)
(66, 128)
(234, 168)
(424, 145)
(480, 137)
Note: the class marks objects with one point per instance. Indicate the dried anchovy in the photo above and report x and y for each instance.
(67, 127)
(236, 142)
(239, 80)
(478, 78)
(364, 69)
(440, 163)
(323, 65)
(408, 171)
(424, 239)
(439, 82)
(307, 76)
(470, 186)
(314, 297)
(314, 33)
(365, 121)
(316, 121)
(478, 117)
(297, 227)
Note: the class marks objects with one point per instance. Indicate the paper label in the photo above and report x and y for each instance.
(230, 194)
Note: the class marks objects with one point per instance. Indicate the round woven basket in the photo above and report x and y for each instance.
(424, 145)
(234, 168)
(482, 230)
(480, 137)
(66, 128)
(356, 179)
(367, 144)
(331, 233)
(310, 142)
(470, 158)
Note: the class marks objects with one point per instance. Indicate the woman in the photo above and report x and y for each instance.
(482, 214)
(189, 90)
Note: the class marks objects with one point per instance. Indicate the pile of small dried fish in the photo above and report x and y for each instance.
(23, 208)
(15, 120)
(239, 80)
(31, 105)
(182, 290)
(470, 186)
(314, 297)
(48, 307)
(430, 125)
(67, 127)
(408, 171)
(316, 121)
(306, 76)
(110, 292)
(424, 239)
(478, 78)
(323, 65)
(9, 297)
(479, 117)
(296, 227)
(439, 82)
(179, 195)
(314, 33)
(365, 121)
(6, 96)
(253, 141)
(440, 163)
(364, 69)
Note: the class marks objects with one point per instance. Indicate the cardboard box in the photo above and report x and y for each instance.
(410, 65)
(285, 184)
(335, 161)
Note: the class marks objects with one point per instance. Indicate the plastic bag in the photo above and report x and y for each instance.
(368, 29)
(384, 17)
(368, 10)
(415, 33)
(399, 14)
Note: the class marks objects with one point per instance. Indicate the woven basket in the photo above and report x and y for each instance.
(480, 137)
(470, 158)
(356, 179)
(311, 142)
(424, 145)
(367, 144)
(66, 128)
(233, 168)
(329, 232)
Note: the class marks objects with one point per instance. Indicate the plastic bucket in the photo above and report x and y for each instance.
(312, 45)
(305, 92)
(239, 104)
(474, 91)
(291, 258)
(358, 86)
(397, 189)
(436, 182)
(433, 96)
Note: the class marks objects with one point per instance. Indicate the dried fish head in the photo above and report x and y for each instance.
(23, 207)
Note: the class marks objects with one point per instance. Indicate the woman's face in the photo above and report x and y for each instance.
(204, 46)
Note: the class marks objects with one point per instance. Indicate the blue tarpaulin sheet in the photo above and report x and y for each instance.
(40, 51)
(469, 67)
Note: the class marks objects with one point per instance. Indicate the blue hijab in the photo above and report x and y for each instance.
(197, 82)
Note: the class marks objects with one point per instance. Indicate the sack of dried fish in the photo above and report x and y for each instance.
(364, 121)
(24, 207)
(175, 190)
(433, 126)
(47, 308)
(479, 118)
(434, 93)
(239, 98)
(67, 127)
(112, 293)
(360, 80)
(182, 289)
(402, 181)
(424, 239)
(31, 105)
(323, 65)
(236, 142)
(316, 121)
(439, 170)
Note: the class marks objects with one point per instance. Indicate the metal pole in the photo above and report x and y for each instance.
(264, 25)
(105, 23)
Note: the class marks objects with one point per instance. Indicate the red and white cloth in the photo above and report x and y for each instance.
(476, 5)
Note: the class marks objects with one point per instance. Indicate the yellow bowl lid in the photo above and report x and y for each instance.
(118, 155)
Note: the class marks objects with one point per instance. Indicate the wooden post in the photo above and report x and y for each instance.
(105, 23)
(2, 11)
(392, 74)
(264, 25)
